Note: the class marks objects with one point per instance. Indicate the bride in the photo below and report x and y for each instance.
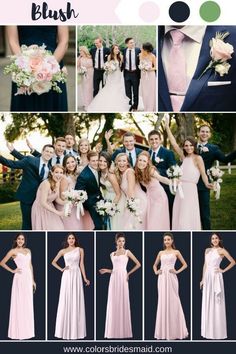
(112, 97)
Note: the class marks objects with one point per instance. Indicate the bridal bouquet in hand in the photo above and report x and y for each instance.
(215, 175)
(110, 67)
(145, 66)
(133, 205)
(107, 209)
(174, 173)
(35, 70)
(77, 198)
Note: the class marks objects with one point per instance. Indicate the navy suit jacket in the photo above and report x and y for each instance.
(123, 150)
(30, 181)
(200, 96)
(87, 182)
(212, 155)
(168, 158)
(106, 52)
(137, 51)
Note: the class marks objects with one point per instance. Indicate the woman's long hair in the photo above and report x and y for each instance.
(117, 171)
(193, 142)
(146, 174)
(220, 240)
(65, 242)
(172, 238)
(80, 142)
(14, 244)
(64, 164)
(112, 55)
(85, 50)
(50, 178)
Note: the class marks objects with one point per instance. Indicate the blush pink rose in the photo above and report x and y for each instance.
(41, 87)
(35, 63)
(43, 75)
(53, 64)
(221, 50)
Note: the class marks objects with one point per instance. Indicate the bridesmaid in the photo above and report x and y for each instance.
(111, 189)
(85, 61)
(213, 320)
(148, 77)
(170, 321)
(44, 214)
(83, 150)
(157, 202)
(118, 315)
(21, 319)
(56, 39)
(131, 189)
(186, 211)
(68, 184)
(71, 320)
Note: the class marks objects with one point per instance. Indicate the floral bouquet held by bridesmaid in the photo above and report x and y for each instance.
(35, 70)
(215, 174)
(107, 209)
(75, 197)
(174, 173)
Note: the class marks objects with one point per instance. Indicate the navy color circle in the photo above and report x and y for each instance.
(179, 11)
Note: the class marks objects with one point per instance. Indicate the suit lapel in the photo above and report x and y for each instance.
(91, 176)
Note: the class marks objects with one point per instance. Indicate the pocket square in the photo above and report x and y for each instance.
(218, 83)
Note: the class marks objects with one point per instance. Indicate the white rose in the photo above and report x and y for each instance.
(223, 68)
(41, 87)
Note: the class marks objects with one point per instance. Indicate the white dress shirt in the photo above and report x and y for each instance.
(54, 160)
(71, 152)
(133, 59)
(96, 58)
(95, 172)
(156, 151)
(191, 46)
(133, 155)
(46, 168)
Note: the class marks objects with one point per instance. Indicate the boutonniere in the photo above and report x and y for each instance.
(158, 160)
(220, 52)
(205, 149)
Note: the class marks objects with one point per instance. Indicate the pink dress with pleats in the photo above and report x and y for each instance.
(86, 85)
(130, 221)
(21, 320)
(118, 315)
(148, 88)
(157, 207)
(170, 320)
(71, 321)
(186, 212)
(42, 218)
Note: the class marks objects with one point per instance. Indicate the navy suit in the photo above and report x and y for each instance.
(123, 150)
(200, 96)
(132, 79)
(26, 192)
(87, 182)
(98, 73)
(209, 157)
(168, 160)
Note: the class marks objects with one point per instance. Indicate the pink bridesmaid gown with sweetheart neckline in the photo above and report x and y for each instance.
(21, 320)
(118, 315)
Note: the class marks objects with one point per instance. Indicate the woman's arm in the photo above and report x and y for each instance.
(108, 135)
(203, 272)
(13, 39)
(201, 167)
(32, 272)
(82, 267)
(171, 137)
(157, 261)
(184, 264)
(137, 264)
(226, 254)
(131, 184)
(43, 200)
(154, 62)
(112, 178)
(3, 262)
(63, 187)
(62, 42)
(54, 261)
(160, 178)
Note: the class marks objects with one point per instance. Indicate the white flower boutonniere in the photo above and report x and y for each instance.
(205, 149)
(158, 160)
(220, 52)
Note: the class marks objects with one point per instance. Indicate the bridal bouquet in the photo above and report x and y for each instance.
(77, 198)
(82, 70)
(133, 205)
(215, 175)
(110, 67)
(107, 209)
(145, 66)
(174, 173)
(35, 70)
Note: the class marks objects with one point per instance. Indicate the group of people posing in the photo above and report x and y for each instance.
(112, 80)
(129, 177)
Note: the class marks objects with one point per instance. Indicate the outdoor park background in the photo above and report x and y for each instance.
(44, 128)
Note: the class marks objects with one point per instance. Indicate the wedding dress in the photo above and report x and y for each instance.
(112, 97)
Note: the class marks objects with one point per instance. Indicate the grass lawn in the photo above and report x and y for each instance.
(223, 211)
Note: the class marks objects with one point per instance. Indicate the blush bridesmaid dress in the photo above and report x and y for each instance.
(21, 320)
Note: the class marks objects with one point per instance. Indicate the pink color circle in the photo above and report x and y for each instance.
(149, 11)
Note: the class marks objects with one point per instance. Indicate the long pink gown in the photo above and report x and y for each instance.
(71, 321)
(43, 219)
(130, 222)
(170, 320)
(148, 88)
(21, 320)
(157, 207)
(213, 321)
(118, 315)
(186, 212)
(86, 86)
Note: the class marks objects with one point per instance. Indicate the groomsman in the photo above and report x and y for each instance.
(210, 153)
(35, 170)
(89, 181)
(162, 159)
(131, 151)
(70, 143)
(131, 72)
(99, 56)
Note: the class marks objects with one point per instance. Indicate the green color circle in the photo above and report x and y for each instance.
(210, 11)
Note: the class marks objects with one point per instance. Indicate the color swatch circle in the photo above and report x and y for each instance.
(210, 11)
(149, 11)
(179, 11)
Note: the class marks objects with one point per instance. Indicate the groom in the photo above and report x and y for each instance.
(131, 72)
(88, 181)
(99, 56)
(128, 148)
(209, 153)
(184, 84)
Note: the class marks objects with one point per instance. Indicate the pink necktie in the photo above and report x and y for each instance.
(176, 76)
